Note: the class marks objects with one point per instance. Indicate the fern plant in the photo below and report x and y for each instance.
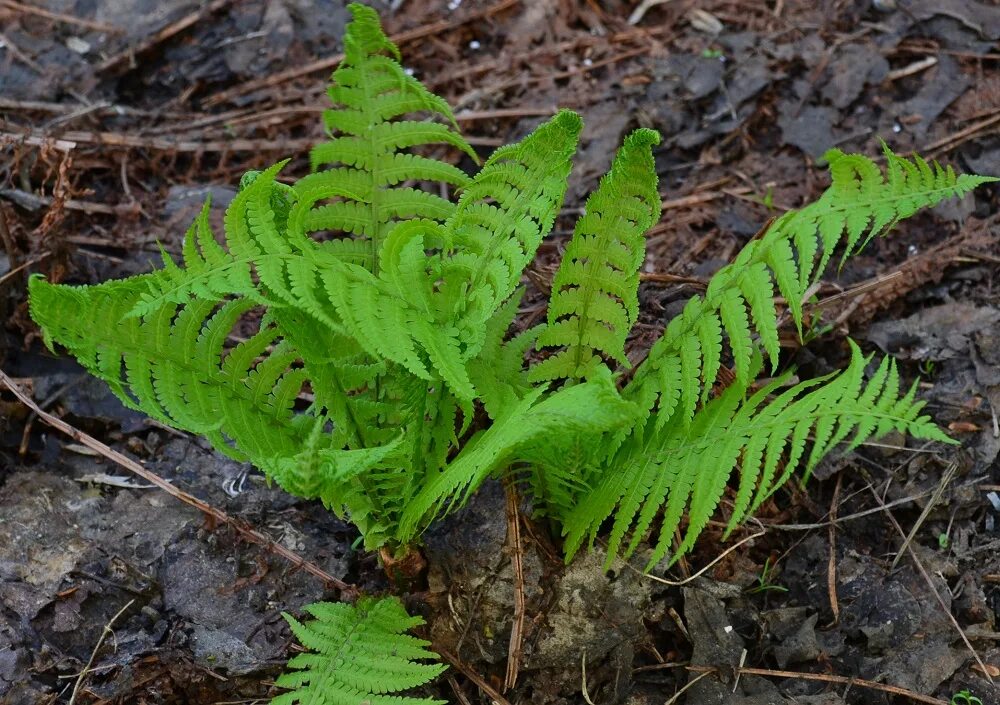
(358, 653)
(349, 333)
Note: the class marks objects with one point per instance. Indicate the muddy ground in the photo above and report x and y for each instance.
(117, 117)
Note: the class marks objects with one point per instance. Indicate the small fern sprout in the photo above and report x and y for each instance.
(594, 301)
(358, 654)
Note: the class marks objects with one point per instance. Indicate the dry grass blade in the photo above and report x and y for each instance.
(516, 548)
(829, 678)
(93, 654)
(945, 481)
(937, 596)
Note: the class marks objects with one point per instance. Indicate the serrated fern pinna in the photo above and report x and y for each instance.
(382, 310)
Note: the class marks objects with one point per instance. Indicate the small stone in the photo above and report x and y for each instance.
(78, 45)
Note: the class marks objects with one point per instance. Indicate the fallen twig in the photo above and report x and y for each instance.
(31, 202)
(480, 682)
(831, 566)
(72, 138)
(24, 265)
(124, 461)
(59, 17)
(951, 141)
(827, 678)
(915, 67)
(517, 562)
(16, 52)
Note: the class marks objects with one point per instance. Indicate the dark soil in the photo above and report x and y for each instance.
(117, 117)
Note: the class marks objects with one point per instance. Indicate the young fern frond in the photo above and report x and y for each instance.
(372, 95)
(262, 258)
(358, 654)
(503, 215)
(861, 203)
(685, 468)
(498, 369)
(594, 301)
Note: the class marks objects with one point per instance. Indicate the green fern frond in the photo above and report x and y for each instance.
(861, 203)
(563, 469)
(259, 260)
(505, 212)
(594, 301)
(174, 364)
(685, 468)
(396, 316)
(371, 92)
(358, 654)
(342, 378)
(318, 471)
(401, 315)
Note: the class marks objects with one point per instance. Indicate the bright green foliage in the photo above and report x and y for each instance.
(347, 331)
(860, 204)
(370, 93)
(358, 654)
(170, 365)
(763, 436)
(580, 412)
(594, 300)
(502, 217)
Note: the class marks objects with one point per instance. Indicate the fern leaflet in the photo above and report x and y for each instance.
(503, 215)
(174, 365)
(370, 92)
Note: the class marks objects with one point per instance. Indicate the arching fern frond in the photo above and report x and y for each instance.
(789, 258)
(371, 92)
(397, 316)
(358, 654)
(261, 259)
(594, 301)
(685, 468)
(584, 411)
(174, 365)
